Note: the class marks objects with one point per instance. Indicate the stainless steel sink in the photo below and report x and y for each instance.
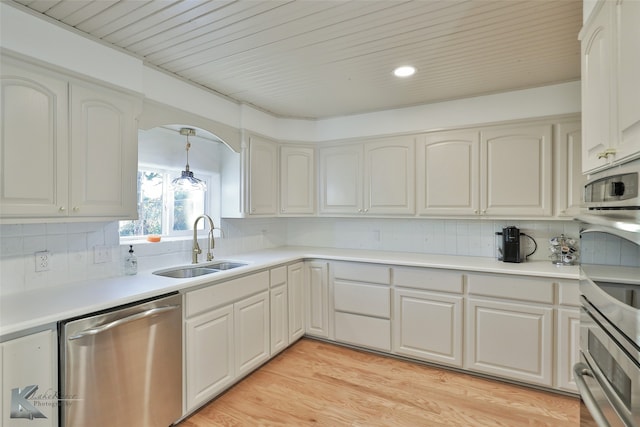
(198, 270)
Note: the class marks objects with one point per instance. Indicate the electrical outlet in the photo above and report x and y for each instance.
(101, 254)
(43, 261)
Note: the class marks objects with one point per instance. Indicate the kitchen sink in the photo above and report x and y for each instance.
(198, 270)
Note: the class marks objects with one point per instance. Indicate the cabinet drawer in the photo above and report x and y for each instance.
(278, 276)
(429, 279)
(525, 288)
(358, 298)
(569, 293)
(223, 293)
(361, 272)
(362, 330)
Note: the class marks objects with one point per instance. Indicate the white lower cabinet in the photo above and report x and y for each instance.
(567, 334)
(361, 304)
(29, 367)
(510, 338)
(226, 335)
(295, 297)
(317, 299)
(279, 309)
(251, 320)
(209, 356)
(428, 326)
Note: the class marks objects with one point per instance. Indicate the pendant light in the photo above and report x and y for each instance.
(187, 182)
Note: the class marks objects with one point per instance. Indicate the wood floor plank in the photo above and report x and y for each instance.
(317, 383)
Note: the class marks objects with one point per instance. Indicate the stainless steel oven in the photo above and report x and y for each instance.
(608, 374)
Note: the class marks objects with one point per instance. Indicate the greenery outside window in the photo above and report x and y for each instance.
(161, 210)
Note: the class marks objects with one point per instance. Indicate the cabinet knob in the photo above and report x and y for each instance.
(75, 209)
(61, 209)
(359, 210)
(484, 211)
(475, 211)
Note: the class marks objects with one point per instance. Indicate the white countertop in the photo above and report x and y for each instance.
(31, 310)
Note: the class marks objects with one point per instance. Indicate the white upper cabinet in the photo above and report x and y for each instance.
(104, 153)
(448, 173)
(610, 88)
(34, 144)
(569, 181)
(368, 178)
(263, 176)
(516, 170)
(297, 180)
(628, 75)
(69, 147)
(493, 171)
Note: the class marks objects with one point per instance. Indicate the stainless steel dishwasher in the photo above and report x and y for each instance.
(123, 367)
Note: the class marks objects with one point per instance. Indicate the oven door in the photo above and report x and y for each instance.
(608, 377)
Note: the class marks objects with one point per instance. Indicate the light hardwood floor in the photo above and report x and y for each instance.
(316, 383)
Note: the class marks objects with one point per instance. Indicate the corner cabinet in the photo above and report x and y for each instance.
(297, 180)
(610, 88)
(68, 147)
(263, 177)
(492, 171)
(373, 177)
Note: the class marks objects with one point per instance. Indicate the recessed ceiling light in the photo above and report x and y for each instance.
(404, 71)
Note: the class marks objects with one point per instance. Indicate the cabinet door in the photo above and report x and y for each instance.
(428, 326)
(30, 362)
(341, 179)
(297, 180)
(597, 58)
(295, 295)
(628, 73)
(104, 153)
(569, 180)
(568, 345)
(510, 340)
(448, 173)
(279, 319)
(251, 317)
(263, 176)
(389, 171)
(516, 170)
(209, 355)
(33, 143)
(317, 299)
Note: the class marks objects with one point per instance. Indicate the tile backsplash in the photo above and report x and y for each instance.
(72, 247)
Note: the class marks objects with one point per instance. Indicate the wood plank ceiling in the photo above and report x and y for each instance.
(323, 58)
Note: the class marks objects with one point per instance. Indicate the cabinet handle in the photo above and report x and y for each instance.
(606, 153)
(61, 209)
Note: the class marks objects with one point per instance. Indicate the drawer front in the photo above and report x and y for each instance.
(362, 272)
(569, 293)
(223, 293)
(429, 279)
(366, 331)
(278, 276)
(525, 288)
(370, 300)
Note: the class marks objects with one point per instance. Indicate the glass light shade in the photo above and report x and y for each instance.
(187, 182)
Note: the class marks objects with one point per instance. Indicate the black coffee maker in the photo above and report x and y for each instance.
(510, 249)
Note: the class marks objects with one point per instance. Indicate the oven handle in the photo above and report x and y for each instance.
(579, 371)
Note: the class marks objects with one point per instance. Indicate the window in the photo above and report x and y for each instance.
(164, 211)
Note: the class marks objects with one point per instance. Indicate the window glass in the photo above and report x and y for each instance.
(161, 210)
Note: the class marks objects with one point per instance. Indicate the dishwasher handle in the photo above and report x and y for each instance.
(118, 322)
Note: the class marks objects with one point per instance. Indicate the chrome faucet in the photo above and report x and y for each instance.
(196, 247)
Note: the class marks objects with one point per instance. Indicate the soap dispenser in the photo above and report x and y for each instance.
(130, 263)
